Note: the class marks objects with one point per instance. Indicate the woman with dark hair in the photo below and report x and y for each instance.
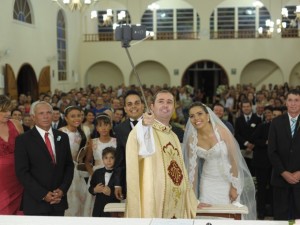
(10, 188)
(16, 114)
(77, 192)
(224, 177)
(88, 123)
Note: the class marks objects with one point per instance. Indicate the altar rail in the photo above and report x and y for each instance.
(225, 211)
(56, 220)
(225, 34)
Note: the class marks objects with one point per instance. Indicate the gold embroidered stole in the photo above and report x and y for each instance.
(174, 202)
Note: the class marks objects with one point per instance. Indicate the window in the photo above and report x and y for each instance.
(225, 19)
(22, 11)
(237, 22)
(147, 20)
(246, 22)
(61, 47)
(106, 26)
(185, 20)
(165, 20)
(263, 16)
(186, 24)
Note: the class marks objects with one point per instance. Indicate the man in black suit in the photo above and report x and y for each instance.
(245, 125)
(57, 121)
(284, 154)
(262, 164)
(134, 108)
(219, 110)
(44, 165)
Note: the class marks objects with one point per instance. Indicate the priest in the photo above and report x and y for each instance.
(157, 181)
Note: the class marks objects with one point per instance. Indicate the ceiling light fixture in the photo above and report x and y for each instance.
(75, 5)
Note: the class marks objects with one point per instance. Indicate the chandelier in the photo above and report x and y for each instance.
(281, 24)
(75, 5)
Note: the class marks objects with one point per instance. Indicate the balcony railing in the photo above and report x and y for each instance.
(290, 33)
(228, 34)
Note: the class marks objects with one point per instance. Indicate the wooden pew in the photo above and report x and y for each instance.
(225, 211)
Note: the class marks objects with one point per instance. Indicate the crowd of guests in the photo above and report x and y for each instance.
(88, 132)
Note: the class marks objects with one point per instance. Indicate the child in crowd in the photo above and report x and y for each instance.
(102, 183)
(93, 159)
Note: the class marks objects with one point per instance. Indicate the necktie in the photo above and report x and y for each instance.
(293, 125)
(247, 119)
(134, 122)
(49, 147)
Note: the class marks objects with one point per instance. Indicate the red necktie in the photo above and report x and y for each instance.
(48, 143)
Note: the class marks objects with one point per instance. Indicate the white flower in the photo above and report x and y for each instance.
(58, 138)
(253, 125)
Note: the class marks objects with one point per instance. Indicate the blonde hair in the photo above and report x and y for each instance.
(5, 104)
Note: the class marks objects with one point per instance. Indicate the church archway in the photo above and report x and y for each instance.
(151, 73)
(206, 76)
(104, 72)
(27, 82)
(295, 76)
(262, 72)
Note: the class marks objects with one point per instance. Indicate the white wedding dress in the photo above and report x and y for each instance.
(214, 185)
(211, 170)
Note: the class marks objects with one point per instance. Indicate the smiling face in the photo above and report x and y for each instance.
(198, 117)
(90, 117)
(134, 106)
(17, 115)
(73, 118)
(4, 116)
(163, 107)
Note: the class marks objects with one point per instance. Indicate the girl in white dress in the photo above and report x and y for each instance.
(77, 192)
(223, 177)
(94, 153)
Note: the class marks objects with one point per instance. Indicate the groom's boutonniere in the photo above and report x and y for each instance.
(58, 138)
(253, 125)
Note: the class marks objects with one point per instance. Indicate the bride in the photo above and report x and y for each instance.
(221, 175)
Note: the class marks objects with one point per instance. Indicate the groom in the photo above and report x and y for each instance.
(44, 165)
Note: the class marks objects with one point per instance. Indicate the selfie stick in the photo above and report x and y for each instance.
(137, 77)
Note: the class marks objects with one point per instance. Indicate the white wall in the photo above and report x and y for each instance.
(36, 44)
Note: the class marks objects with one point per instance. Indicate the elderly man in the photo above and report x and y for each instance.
(44, 165)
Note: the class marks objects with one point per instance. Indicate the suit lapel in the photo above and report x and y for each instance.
(286, 122)
(297, 126)
(111, 180)
(57, 139)
(128, 125)
(102, 177)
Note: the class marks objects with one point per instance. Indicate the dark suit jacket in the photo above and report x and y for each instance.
(244, 130)
(102, 199)
(121, 131)
(61, 123)
(260, 151)
(38, 174)
(284, 150)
